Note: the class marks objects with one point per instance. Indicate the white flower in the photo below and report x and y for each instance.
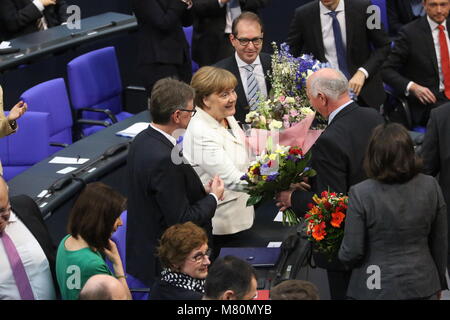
(275, 124)
(306, 111)
(290, 100)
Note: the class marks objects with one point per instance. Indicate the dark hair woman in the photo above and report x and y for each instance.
(93, 219)
(395, 235)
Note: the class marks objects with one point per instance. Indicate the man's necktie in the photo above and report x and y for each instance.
(445, 61)
(40, 24)
(339, 43)
(252, 86)
(235, 9)
(20, 276)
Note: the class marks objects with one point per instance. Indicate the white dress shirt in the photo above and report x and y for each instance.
(34, 260)
(258, 72)
(437, 49)
(329, 45)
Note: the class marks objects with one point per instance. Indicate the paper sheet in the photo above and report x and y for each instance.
(5, 45)
(274, 244)
(133, 130)
(66, 170)
(279, 217)
(68, 160)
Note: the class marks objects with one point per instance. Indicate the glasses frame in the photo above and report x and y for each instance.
(193, 111)
(247, 41)
(199, 257)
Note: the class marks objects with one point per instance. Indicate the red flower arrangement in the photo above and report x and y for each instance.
(325, 222)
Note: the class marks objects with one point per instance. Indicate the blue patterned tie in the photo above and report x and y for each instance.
(235, 9)
(252, 86)
(339, 43)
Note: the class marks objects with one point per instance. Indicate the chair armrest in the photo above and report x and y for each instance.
(93, 122)
(135, 88)
(404, 104)
(140, 290)
(58, 144)
(108, 113)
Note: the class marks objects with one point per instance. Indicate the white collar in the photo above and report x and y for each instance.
(325, 10)
(165, 134)
(434, 24)
(336, 111)
(242, 63)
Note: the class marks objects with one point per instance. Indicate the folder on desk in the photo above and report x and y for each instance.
(256, 256)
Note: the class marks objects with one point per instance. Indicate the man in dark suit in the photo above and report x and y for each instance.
(212, 27)
(401, 12)
(23, 229)
(416, 67)
(337, 155)
(163, 189)
(163, 48)
(19, 17)
(435, 152)
(338, 31)
(247, 40)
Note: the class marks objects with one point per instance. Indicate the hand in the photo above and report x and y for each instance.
(217, 187)
(302, 186)
(46, 3)
(17, 111)
(112, 253)
(357, 82)
(284, 199)
(424, 94)
(187, 2)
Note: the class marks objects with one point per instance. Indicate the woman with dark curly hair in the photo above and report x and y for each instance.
(184, 256)
(93, 219)
(395, 235)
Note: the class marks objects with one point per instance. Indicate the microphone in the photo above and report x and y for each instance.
(286, 247)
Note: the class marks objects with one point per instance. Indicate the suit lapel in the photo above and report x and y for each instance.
(349, 26)
(429, 43)
(317, 31)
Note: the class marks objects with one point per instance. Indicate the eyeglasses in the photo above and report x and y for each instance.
(200, 256)
(244, 41)
(194, 111)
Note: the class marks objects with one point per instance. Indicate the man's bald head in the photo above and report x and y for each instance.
(103, 287)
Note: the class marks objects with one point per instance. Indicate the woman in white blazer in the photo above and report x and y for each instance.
(214, 145)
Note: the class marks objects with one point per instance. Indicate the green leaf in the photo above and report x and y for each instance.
(254, 200)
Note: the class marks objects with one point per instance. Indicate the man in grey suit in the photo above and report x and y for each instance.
(436, 152)
(249, 65)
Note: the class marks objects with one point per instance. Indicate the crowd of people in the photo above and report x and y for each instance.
(186, 199)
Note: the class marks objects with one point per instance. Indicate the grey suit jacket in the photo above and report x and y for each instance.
(400, 229)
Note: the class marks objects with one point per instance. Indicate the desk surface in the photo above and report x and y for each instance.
(61, 38)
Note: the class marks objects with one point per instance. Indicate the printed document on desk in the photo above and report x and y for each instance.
(133, 130)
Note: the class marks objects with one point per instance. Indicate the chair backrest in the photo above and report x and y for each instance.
(94, 82)
(383, 11)
(27, 146)
(51, 96)
(120, 237)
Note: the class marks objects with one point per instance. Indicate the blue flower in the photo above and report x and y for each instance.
(272, 177)
(244, 177)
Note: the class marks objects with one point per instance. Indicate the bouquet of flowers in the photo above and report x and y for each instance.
(325, 222)
(287, 109)
(274, 171)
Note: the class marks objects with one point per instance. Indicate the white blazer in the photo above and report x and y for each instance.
(213, 150)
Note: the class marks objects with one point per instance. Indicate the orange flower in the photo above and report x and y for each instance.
(337, 218)
(319, 231)
(315, 210)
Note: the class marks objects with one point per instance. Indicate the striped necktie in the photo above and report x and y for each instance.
(252, 86)
(17, 267)
(40, 24)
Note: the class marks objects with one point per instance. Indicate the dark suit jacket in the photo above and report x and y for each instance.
(413, 58)
(209, 28)
(337, 156)
(230, 64)
(402, 229)
(436, 150)
(163, 290)
(399, 13)
(305, 37)
(160, 194)
(19, 17)
(161, 36)
(28, 212)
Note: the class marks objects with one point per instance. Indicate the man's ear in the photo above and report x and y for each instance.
(175, 117)
(228, 295)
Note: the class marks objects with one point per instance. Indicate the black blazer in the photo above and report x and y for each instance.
(163, 290)
(160, 31)
(19, 17)
(436, 150)
(160, 194)
(305, 37)
(399, 13)
(230, 64)
(209, 27)
(337, 156)
(402, 229)
(413, 58)
(28, 212)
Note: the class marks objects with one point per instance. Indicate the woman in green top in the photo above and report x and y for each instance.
(93, 219)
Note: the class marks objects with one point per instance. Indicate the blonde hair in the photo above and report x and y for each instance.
(209, 80)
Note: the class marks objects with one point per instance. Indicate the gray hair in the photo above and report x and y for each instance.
(168, 95)
(332, 87)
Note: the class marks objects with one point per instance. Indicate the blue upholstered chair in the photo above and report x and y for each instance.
(188, 34)
(27, 146)
(383, 11)
(96, 88)
(137, 288)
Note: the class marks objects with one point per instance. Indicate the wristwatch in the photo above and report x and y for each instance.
(13, 124)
